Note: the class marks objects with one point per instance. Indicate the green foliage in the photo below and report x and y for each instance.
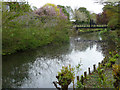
(64, 10)
(100, 71)
(113, 23)
(79, 85)
(110, 15)
(78, 69)
(116, 74)
(103, 31)
(67, 74)
(18, 6)
(112, 12)
(108, 64)
(116, 55)
(116, 71)
(25, 30)
(78, 66)
(34, 8)
(110, 53)
(102, 78)
(112, 59)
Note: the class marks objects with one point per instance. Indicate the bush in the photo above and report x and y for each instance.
(66, 76)
(79, 85)
(116, 73)
(108, 65)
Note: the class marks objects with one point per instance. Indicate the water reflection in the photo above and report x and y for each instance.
(38, 68)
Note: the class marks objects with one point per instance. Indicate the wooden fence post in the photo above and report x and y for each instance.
(99, 64)
(102, 62)
(77, 78)
(85, 74)
(94, 67)
(89, 70)
(81, 79)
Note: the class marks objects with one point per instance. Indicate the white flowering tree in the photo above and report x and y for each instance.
(81, 14)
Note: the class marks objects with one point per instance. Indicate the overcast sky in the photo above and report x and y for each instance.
(89, 4)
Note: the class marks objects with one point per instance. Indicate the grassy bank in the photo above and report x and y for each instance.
(26, 31)
(107, 74)
(102, 78)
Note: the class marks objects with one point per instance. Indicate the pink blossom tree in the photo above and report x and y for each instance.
(51, 10)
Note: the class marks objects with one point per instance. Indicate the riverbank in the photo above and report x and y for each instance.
(31, 32)
(106, 75)
(33, 68)
(94, 80)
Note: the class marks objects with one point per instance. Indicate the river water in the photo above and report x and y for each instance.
(38, 68)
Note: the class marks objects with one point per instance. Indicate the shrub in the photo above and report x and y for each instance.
(100, 73)
(66, 76)
(112, 60)
(79, 85)
(108, 65)
(116, 74)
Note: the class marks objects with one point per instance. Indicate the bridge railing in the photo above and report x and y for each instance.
(91, 25)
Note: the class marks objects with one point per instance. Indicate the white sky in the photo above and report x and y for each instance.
(89, 4)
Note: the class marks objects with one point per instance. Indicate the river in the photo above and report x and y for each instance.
(38, 68)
